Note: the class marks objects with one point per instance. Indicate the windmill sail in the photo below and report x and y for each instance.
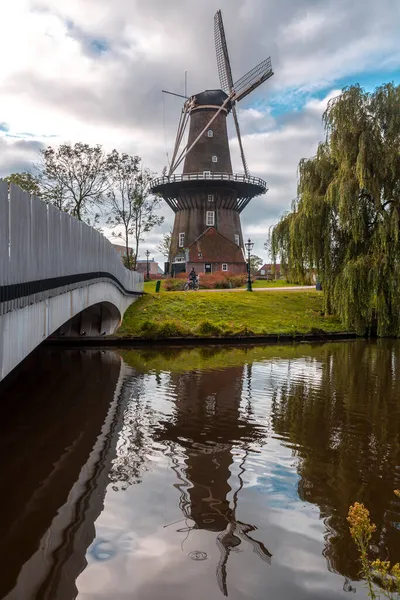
(235, 118)
(251, 80)
(224, 66)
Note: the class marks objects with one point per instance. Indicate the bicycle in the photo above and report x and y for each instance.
(191, 285)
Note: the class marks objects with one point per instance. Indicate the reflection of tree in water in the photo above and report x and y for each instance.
(135, 441)
(346, 429)
(209, 427)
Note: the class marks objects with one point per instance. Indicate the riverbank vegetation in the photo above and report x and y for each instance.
(227, 314)
(376, 571)
(345, 221)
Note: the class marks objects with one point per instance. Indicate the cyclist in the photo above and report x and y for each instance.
(193, 276)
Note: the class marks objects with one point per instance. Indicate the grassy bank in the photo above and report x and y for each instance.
(259, 283)
(227, 313)
(150, 286)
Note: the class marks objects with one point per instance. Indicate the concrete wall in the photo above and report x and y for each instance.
(53, 267)
(38, 242)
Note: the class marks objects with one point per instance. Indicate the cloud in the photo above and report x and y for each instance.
(93, 70)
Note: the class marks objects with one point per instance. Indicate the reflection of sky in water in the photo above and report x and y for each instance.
(143, 540)
(110, 542)
(280, 486)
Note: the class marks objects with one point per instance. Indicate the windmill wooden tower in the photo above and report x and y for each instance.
(208, 197)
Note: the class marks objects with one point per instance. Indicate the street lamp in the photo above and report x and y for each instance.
(147, 264)
(249, 247)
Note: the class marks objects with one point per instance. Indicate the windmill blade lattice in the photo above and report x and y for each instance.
(224, 66)
(251, 80)
(235, 118)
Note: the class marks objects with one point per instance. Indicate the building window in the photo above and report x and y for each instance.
(224, 267)
(215, 158)
(206, 173)
(237, 239)
(210, 197)
(262, 272)
(210, 218)
(181, 240)
(210, 133)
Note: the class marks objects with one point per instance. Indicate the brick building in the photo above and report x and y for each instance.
(269, 271)
(122, 250)
(154, 269)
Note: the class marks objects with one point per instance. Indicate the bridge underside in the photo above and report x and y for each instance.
(91, 310)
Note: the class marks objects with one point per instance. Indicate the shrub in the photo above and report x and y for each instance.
(173, 285)
(221, 280)
(207, 281)
(237, 281)
(208, 328)
(149, 329)
(170, 328)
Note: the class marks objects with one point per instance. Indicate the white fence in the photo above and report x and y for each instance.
(45, 252)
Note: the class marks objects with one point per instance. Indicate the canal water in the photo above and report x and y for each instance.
(196, 473)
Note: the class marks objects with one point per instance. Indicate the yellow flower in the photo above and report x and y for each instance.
(360, 524)
(382, 567)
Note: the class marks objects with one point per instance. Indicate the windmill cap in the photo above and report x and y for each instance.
(211, 98)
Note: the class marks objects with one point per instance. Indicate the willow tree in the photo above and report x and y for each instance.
(345, 221)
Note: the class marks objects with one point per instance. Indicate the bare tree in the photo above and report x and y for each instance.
(133, 209)
(123, 179)
(74, 178)
(164, 246)
(145, 207)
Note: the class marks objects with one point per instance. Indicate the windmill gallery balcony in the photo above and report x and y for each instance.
(174, 186)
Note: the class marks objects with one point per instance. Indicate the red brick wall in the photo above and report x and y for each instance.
(192, 223)
(233, 268)
(199, 158)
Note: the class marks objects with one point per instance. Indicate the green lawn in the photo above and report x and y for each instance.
(271, 284)
(150, 286)
(173, 314)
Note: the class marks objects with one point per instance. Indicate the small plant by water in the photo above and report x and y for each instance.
(377, 571)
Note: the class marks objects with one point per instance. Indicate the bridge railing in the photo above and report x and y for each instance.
(44, 251)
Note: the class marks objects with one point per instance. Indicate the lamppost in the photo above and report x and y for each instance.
(147, 264)
(249, 247)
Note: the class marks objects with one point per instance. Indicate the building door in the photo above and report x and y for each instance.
(207, 268)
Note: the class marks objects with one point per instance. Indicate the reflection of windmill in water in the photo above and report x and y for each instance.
(208, 197)
(209, 426)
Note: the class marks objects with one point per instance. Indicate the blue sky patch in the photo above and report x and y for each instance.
(292, 100)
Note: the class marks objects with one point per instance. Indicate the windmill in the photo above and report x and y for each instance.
(208, 197)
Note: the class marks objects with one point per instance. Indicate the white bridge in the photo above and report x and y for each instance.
(57, 276)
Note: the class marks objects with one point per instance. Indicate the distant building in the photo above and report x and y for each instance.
(269, 271)
(122, 250)
(154, 268)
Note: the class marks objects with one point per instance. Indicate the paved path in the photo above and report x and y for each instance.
(297, 288)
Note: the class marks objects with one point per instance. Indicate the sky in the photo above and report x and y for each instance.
(93, 71)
